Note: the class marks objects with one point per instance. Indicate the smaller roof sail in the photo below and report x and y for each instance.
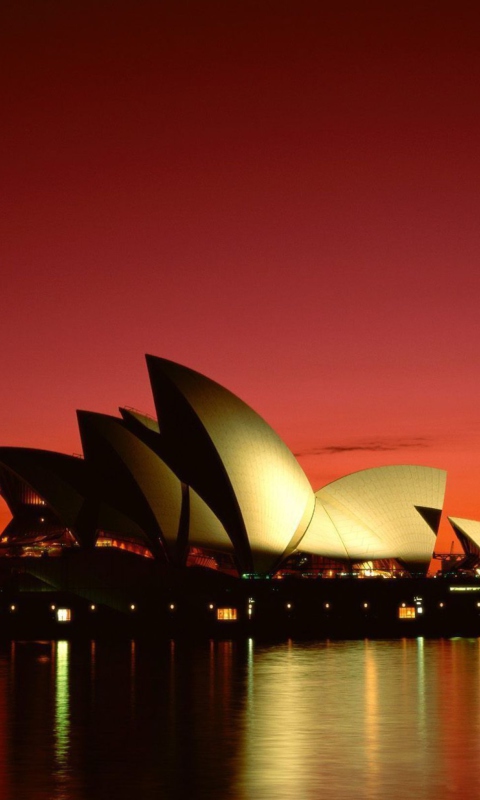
(66, 486)
(140, 420)
(59, 480)
(383, 512)
(133, 478)
(468, 532)
(205, 529)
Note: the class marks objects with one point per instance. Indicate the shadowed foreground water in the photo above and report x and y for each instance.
(359, 719)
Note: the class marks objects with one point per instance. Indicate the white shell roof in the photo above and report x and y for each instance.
(158, 484)
(470, 527)
(275, 498)
(372, 514)
(205, 529)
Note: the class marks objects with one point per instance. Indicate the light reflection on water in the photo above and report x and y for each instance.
(240, 720)
(62, 717)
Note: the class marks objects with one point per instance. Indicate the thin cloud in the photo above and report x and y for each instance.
(375, 446)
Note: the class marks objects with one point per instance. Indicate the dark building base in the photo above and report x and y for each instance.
(118, 594)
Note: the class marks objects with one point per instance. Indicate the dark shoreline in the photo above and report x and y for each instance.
(265, 609)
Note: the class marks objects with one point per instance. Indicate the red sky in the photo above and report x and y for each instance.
(282, 195)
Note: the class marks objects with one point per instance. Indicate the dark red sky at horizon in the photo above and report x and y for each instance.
(282, 195)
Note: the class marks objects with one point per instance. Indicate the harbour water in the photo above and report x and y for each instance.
(240, 720)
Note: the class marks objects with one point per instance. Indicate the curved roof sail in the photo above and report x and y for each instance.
(383, 512)
(234, 460)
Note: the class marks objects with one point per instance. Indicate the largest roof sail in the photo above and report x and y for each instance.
(234, 460)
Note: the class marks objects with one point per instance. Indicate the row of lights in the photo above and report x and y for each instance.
(63, 614)
(13, 607)
(440, 605)
(418, 605)
(172, 607)
(251, 602)
(289, 606)
(93, 607)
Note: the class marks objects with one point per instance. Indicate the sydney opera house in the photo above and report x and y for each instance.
(206, 488)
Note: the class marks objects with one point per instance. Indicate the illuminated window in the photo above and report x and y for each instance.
(123, 544)
(64, 615)
(226, 614)
(31, 498)
(406, 612)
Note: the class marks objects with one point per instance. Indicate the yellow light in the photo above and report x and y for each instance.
(52, 607)
(405, 612)
(211, 606)
(227, 614)
(13, 608)
(93, 607)
(464, 588)
(442, 604)
(327, 605)
(132, 606)
(365, 605)
(289, 605)
(172, 606)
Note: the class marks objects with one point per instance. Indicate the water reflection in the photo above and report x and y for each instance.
(62, 717)
(371, 714)
(240, 720)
